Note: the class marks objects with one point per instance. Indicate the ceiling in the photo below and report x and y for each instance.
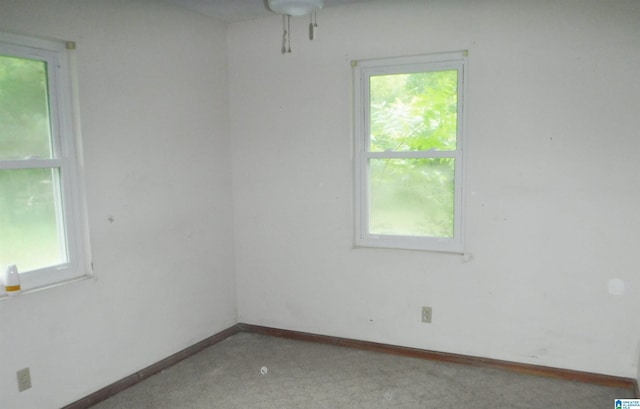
(239, 10)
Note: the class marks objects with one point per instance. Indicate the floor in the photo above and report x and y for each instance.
(261, 372)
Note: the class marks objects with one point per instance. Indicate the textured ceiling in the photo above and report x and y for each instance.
(239, 10)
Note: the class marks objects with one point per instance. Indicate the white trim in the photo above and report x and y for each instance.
(362, 71)
(30, 164)
(412, 154)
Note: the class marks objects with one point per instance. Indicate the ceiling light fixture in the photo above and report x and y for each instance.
(295, 8)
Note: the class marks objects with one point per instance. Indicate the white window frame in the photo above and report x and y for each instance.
(362, 71)
(65, 147)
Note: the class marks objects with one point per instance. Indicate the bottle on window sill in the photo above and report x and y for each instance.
(12, 280)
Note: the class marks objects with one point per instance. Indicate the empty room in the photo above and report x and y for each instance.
(453, 180)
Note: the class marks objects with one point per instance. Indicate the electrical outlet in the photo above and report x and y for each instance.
(426, 315)
(24, 379)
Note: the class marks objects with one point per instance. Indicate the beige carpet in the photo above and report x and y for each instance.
(254, 371)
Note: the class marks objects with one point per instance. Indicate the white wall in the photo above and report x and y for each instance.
(154, 116)
(638, 368)
(552, 192)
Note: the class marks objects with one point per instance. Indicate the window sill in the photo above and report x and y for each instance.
(4, 296)
(412, 243)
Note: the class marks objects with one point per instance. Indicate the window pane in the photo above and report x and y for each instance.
(24, 109)
(412, 197)
(31, 235)
(414, 112)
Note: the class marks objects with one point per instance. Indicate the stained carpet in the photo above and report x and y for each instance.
(260, 372)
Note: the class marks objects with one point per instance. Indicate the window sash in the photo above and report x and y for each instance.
(363, 71)
(31, 164)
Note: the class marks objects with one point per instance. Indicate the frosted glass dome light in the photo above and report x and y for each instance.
(295, 7)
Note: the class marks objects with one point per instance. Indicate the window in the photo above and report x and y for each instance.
(409, 152)
(41, 222)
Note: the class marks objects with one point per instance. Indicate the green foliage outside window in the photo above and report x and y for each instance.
(24, 109)
(29, 228)
(412, 113)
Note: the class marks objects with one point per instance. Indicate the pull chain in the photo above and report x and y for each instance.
(313, 26)
(285, 34)
(286, 30)
(289, 36)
